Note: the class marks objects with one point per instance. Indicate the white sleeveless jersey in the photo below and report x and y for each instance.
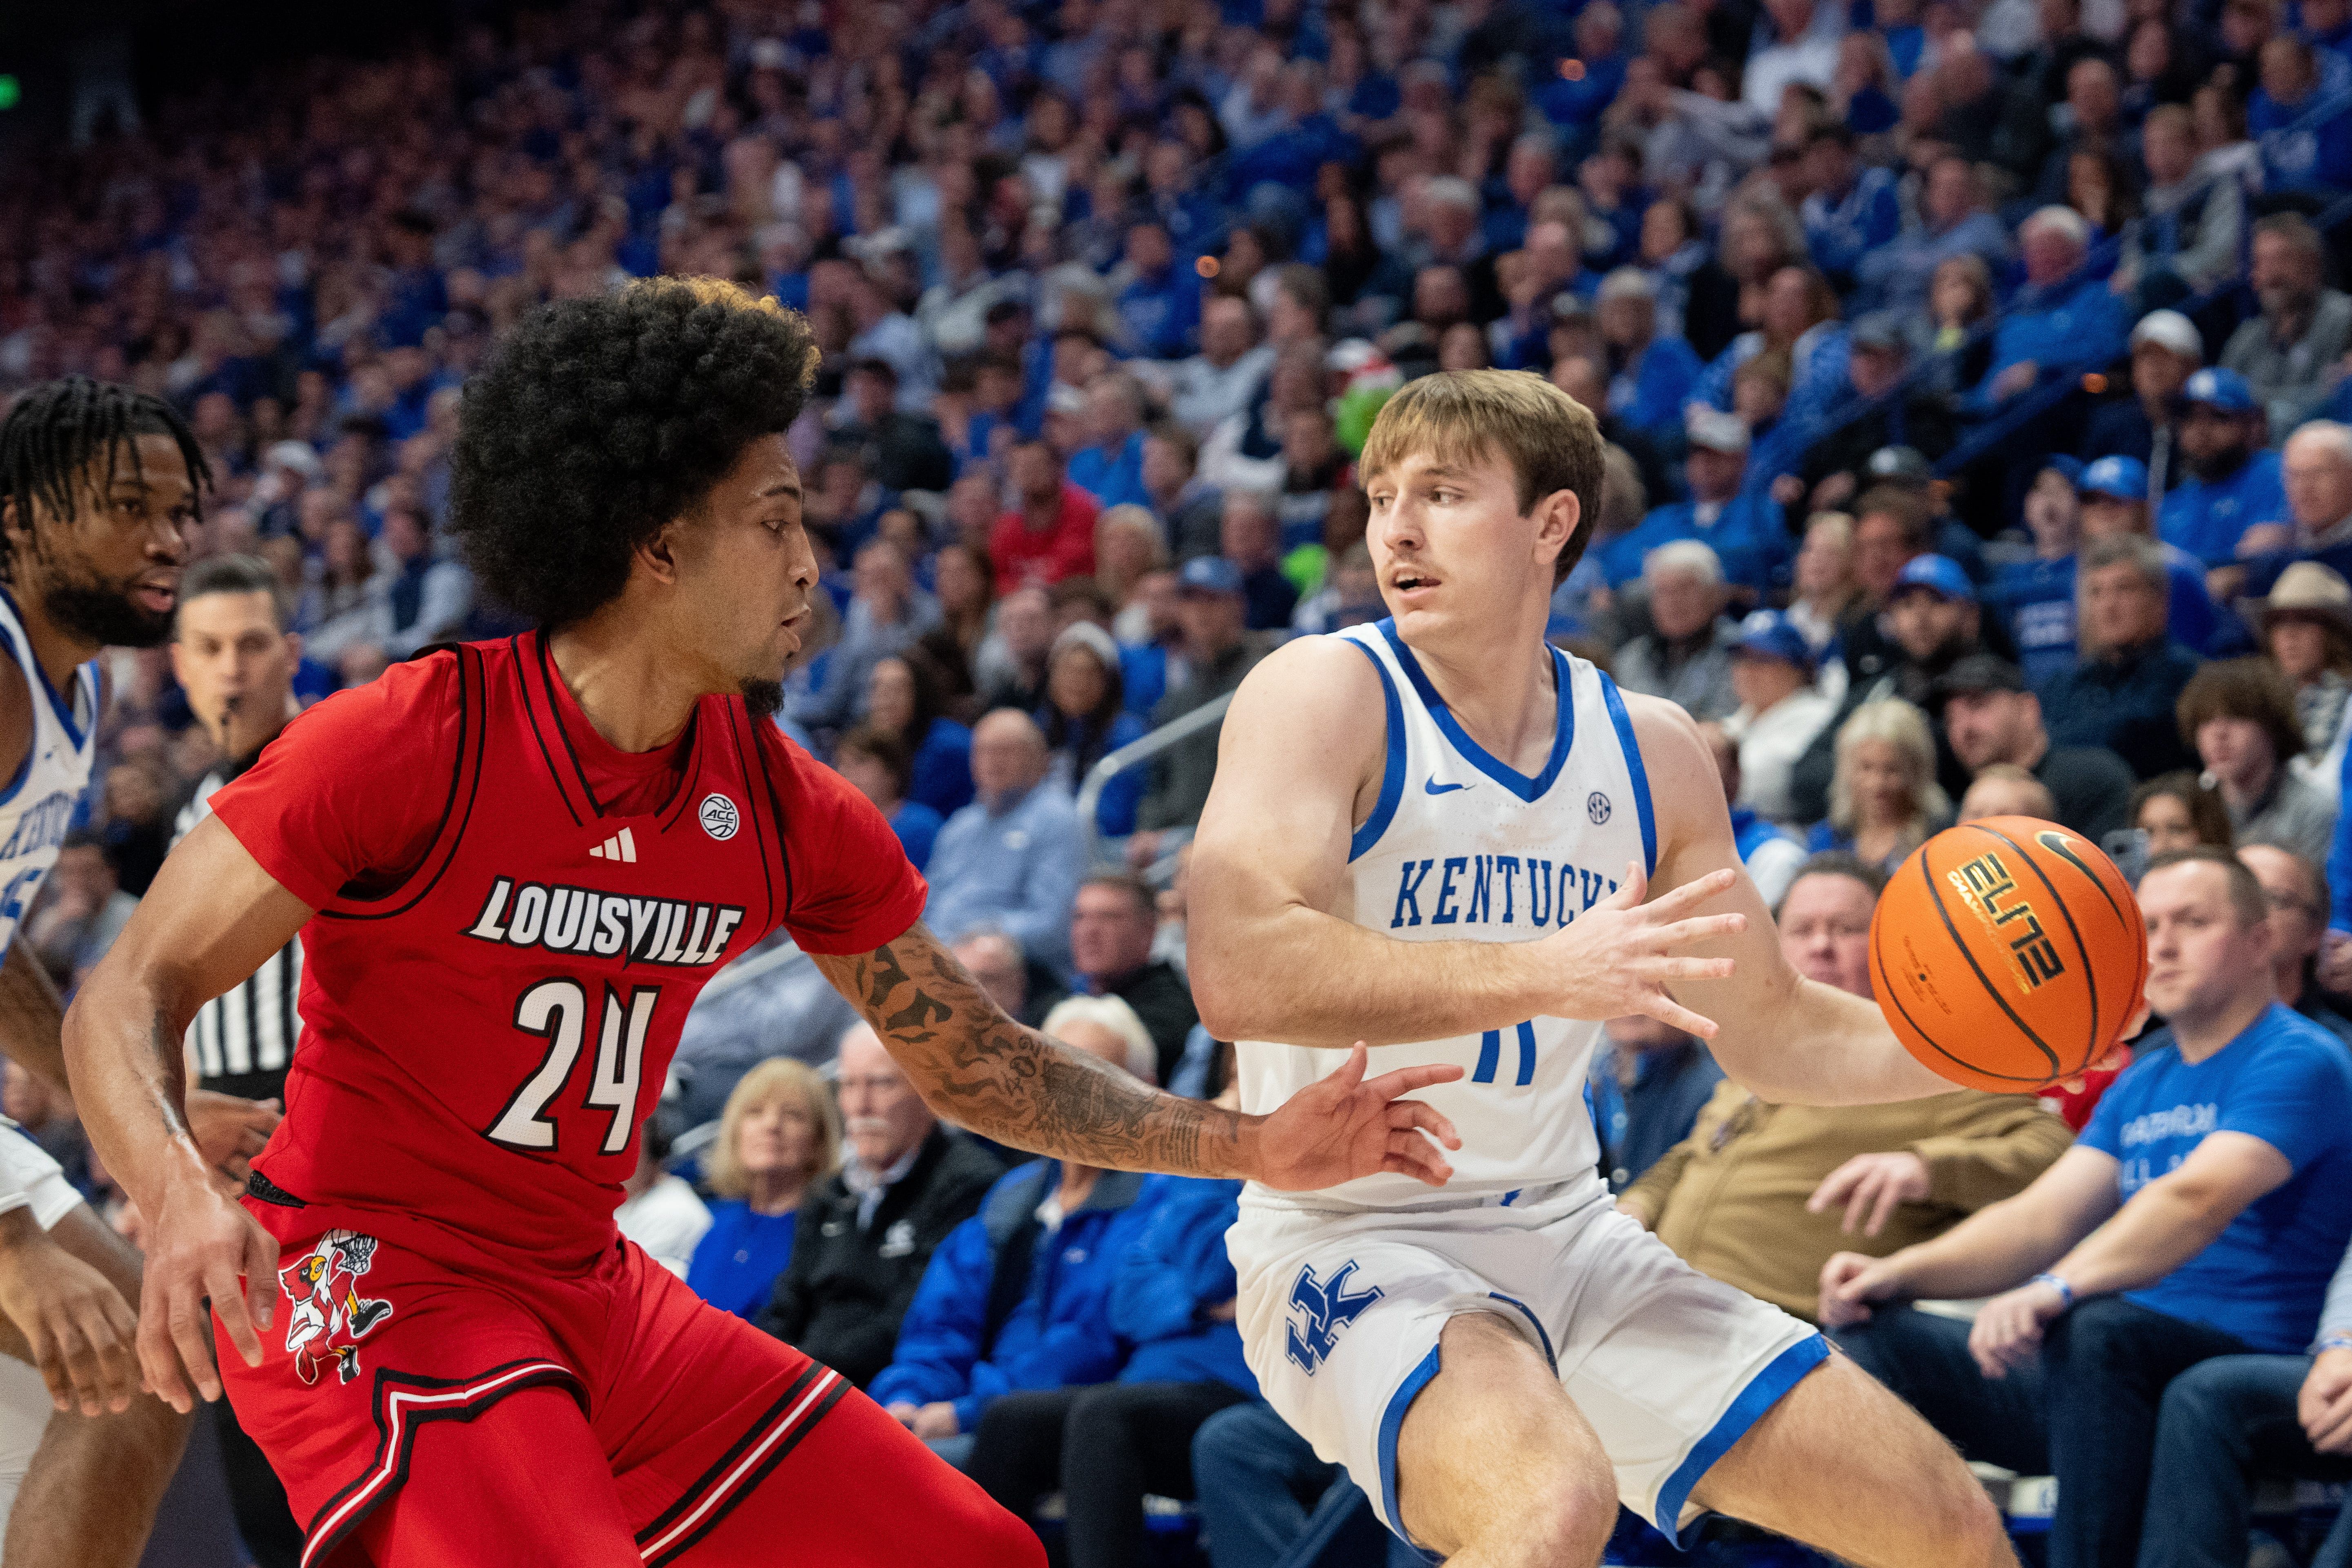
(1462, 846)
(37, 805)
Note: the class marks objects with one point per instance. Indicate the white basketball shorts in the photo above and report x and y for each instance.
(1340, 1314)
(30, 1179)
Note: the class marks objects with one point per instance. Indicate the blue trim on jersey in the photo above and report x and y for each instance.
(1533, 1322)
(1510, 778)
(1392, 1422)
(1763, 1391)
(1392, 778)
(1614, 701)
(32, 747)
(58, 705)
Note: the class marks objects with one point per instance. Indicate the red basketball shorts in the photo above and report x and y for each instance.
(421, 1413)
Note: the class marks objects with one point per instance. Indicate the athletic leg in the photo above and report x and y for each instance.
(522, 1484)
(88, 1498)
(1924, 1359)
(1126, 1441)
(1839, 1464)
(1496, 1466)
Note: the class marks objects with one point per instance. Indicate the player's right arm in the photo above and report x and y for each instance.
(1298, 766)
(210, 919)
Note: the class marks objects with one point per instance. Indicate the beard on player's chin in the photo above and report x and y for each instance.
(105, 615)
(765, 698)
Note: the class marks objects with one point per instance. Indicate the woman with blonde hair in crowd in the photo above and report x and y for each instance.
(779, 1136)
(1884, 798)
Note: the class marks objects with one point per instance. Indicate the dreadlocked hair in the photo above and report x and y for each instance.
(56, 431)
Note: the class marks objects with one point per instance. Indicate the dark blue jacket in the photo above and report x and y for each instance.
(2074, 326)
(969, 1337)
(2206, 520)
(1750, 536)
(1178, 1270)
(2125, 705)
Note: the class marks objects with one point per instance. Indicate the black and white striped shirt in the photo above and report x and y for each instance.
(242, 1041)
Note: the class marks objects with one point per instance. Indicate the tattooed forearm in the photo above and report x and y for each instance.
(981, 1070)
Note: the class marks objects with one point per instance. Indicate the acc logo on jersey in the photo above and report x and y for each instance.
(328, 1316)
(720, 817)
(1327, 1308)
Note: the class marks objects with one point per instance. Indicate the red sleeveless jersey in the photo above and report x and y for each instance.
(512, 920)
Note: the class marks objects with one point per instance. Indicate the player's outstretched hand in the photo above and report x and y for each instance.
(1347, 1125)
(201, 1242)
(231, 1131)
(1617, 958)
(78, 1325)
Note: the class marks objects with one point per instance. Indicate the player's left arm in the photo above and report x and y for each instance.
(981, 1070)
(1785, 1038)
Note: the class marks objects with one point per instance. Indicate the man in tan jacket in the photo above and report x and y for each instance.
(1760, 1196)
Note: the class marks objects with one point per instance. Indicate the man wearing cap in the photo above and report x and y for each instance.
(2165, 350)
(903, 451)
(1989, 715)
(2110, 501)
(1651, 375)
(1050, 534)
(1218, 650)
(2233, 480)
(1780, 709)
(2306, 626)
(2288, 353)
(1907, 469)
(1744, 528)
(1919, 420)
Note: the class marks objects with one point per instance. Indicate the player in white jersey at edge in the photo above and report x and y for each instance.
(97, 486)
(1437, 835)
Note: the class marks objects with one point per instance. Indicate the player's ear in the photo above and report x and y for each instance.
(1557, 516)
(658, 552)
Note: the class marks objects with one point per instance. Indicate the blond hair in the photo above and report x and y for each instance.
(1904, 728)
(1550, 441)
(773, 1079)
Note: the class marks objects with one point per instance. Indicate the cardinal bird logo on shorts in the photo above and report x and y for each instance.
(1328, 1308)
(329, 1314)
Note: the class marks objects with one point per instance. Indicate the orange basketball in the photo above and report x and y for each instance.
(2008, 953)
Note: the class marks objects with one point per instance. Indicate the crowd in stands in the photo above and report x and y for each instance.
(1980, 442)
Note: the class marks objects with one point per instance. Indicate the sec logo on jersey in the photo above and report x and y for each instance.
(720, 817)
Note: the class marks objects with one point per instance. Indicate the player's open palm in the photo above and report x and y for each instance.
(1347, 1125)
(76, 1324)
(200, 1244)
(1616, 959)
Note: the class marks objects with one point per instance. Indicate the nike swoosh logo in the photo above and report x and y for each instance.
(1434, 787)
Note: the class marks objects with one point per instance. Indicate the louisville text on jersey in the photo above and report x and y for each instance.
(563, 919)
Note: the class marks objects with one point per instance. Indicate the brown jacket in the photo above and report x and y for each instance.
(1730, 1198)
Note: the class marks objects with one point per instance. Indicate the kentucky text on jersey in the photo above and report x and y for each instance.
(1471, 889)
(41, 828)
(583, 920)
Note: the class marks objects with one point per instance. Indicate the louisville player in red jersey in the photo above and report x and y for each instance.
(513, 865)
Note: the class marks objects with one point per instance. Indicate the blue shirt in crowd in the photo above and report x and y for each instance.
(736, 1263)
(2288, 1082)
(917, 826)
(2207, 519)
(1746, 534)
(1113, 478)
(2037, 597)
(1840, 233)
(2078, 326)
(1649, 394)
(1013, 865)
(1177, 1272)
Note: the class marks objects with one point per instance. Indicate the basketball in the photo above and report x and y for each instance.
(2008, 954)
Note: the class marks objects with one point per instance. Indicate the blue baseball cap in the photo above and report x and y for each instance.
(2223, 389)
(1770, 634)
(1940, 574)
(1209, 574)
(2060, 463)
(2116, 478)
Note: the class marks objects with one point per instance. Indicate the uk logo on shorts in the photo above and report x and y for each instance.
(720, 817)
(329, 1317)
(1328, 1307)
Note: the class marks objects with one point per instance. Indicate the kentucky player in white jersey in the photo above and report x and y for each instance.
(1438, 835)
(98, 484)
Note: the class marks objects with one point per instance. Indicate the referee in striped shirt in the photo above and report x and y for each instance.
(235, 660)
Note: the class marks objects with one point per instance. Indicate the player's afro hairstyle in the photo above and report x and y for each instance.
(598, 420)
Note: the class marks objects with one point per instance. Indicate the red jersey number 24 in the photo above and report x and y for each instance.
(557, 1010)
